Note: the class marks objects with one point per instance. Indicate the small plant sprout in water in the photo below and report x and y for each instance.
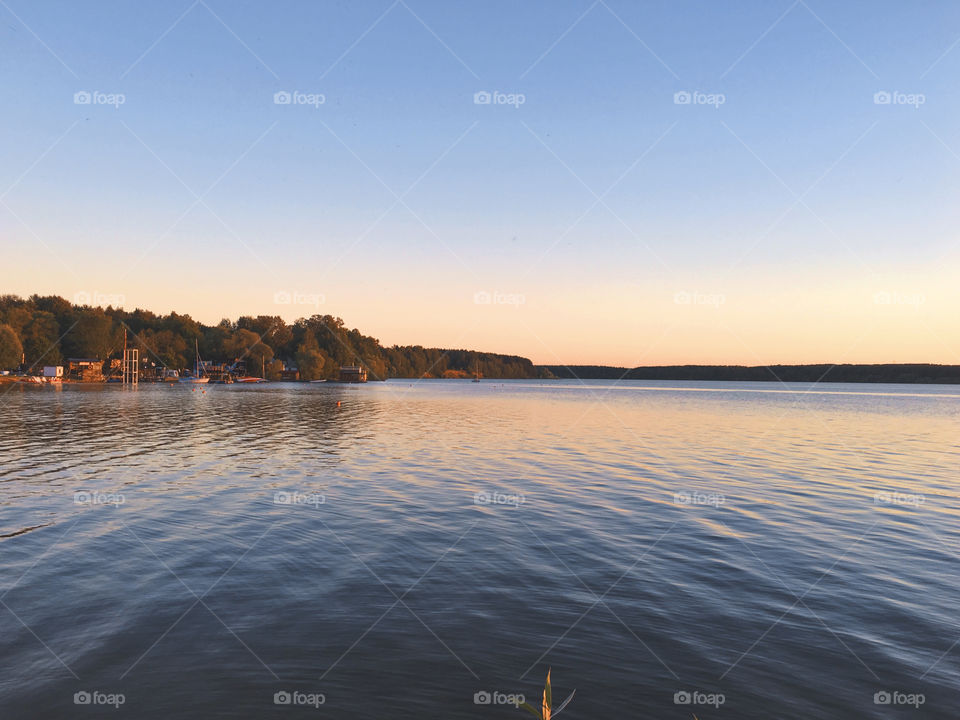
(547, 710)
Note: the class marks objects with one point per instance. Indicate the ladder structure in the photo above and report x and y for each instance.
(131, 367)
(130, 371)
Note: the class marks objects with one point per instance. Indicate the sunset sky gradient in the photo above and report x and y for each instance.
(804, 219)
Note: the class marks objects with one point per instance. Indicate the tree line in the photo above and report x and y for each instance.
(47, 330)
(845, 373)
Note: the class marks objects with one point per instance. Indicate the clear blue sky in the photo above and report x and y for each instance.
(304, 199)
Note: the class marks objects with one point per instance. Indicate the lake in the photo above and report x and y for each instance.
(429, 549)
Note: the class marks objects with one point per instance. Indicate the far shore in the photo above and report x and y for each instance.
(888, 374)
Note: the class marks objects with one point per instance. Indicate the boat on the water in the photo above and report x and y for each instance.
(191, 380)
(199, 376)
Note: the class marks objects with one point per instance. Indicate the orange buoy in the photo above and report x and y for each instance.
(338, 403)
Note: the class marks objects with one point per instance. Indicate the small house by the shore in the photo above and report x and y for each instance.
(218, 372)
(85, 369)
(352, 374)
(290, 372)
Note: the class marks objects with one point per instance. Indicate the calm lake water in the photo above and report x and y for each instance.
(763, 551)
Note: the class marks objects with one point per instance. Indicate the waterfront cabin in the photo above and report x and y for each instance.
(219, 373)
(352, 374)
(85, 369)
(53, 371)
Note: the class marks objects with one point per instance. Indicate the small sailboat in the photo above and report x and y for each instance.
(199, 376)
(476, 377)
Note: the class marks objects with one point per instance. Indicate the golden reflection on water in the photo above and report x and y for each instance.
(696, 507)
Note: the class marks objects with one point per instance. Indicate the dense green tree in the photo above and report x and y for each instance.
(11, 351)
(272, 330)
(182, 325)
(246, 346)
(10, 301)
(93, 334)
(213, 344)
(165, 347)
(18, 318)
(273, 369)
(311, 360)
(39, 339)
(60, 307)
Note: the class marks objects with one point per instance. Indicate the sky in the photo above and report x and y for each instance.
(610, 182)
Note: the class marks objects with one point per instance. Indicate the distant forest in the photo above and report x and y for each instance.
(48, 330)
(891, 373)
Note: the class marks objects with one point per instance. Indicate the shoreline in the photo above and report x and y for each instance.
(28, 380)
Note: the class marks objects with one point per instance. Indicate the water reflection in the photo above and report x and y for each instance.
(662, 541)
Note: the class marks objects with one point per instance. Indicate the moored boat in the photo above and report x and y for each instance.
(199, 377)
